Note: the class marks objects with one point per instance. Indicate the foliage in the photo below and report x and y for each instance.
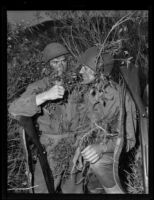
(73, 14)
(78, 31)
(135, 178)
(16, 160)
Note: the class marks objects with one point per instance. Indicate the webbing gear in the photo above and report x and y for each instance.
(120, 139)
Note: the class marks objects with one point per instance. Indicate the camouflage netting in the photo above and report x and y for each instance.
(63, 155)
(84, 134)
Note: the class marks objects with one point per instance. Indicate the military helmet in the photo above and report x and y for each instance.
(53, 50)
(89, 58)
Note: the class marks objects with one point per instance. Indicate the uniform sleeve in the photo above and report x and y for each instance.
(25, 105)
(131, 121)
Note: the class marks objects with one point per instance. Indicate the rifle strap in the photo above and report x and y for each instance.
(28, 125)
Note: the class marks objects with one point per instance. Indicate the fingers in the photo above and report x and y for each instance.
(92, 159)
(60, 91)
(60, 88)
(86, 149)
(90, 155)
(88, 152)
(55, 92)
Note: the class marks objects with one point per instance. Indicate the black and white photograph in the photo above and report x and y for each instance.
(77, 102)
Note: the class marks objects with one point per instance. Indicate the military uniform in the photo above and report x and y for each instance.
(113, 111)
(92, 116)
(63, 127)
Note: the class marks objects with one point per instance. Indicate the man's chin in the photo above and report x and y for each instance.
(86, 81)
(60, 73)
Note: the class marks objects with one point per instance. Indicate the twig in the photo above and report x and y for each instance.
(68, 47)
(86, 135)
(122, 20)
(74, 42)
(99, 127)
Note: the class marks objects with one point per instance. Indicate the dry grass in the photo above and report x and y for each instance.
(135, 178)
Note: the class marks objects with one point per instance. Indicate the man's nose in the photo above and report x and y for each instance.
(81, 71)
(62, 63)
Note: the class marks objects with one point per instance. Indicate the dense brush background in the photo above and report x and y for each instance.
(77, 30)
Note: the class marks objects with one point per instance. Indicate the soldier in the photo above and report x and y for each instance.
(33, 103)
(111, 108)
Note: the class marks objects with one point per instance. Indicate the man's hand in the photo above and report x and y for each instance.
(92, 153)
(56, 92)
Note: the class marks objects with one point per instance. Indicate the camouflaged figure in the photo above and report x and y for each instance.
(112, 114)
(52, 118)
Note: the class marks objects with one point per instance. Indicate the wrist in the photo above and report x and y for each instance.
(41, 98)
(45, 96)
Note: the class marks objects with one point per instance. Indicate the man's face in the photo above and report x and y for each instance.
(59, 64)
(87, 74)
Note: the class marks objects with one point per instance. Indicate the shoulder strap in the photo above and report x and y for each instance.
(120, 139)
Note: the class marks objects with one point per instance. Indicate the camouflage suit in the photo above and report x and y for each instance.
(67, 124)
(113, 114)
